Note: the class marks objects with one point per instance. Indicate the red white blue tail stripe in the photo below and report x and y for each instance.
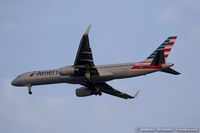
(166, 46)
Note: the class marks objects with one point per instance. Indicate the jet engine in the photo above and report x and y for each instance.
(83, 91)
(68, 70)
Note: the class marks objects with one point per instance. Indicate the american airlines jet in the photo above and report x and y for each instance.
(93, 78)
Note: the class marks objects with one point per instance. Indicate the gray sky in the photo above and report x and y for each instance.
(45, 34)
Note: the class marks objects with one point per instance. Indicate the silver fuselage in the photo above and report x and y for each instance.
(106, 73)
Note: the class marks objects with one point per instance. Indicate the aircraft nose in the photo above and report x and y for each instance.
(14, 82)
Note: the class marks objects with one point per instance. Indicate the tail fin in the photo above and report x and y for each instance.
(166, 46)
(158, 58)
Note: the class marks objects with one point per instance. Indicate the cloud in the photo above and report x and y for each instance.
(167, 16)
(179, 13)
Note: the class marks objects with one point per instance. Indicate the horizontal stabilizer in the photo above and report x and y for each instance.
(170, 71)
(158, 58)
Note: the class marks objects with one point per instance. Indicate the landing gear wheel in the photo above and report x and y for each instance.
(29, 89)
(30, 92)
(98, 91)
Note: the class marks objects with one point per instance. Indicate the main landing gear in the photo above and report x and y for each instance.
(98, 91)
(29, 89)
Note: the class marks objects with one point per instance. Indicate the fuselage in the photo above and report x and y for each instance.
(106, 73)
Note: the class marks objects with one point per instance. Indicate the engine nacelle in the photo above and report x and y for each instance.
(83, 91)
(68, 70)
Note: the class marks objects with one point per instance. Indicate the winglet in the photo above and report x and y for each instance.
(88, 29)
(136, 94)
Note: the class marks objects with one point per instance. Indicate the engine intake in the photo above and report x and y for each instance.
(83, 91)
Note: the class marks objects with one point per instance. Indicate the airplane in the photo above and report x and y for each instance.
(93, 78)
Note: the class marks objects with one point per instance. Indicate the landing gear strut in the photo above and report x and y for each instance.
(100, 93)
(29, 90)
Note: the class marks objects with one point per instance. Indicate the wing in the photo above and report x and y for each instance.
(84, 59)
(109, 90)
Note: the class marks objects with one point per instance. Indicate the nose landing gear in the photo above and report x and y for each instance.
(29, 89)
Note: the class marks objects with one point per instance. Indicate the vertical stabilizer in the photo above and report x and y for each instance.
(166, 46)
(158, 58)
